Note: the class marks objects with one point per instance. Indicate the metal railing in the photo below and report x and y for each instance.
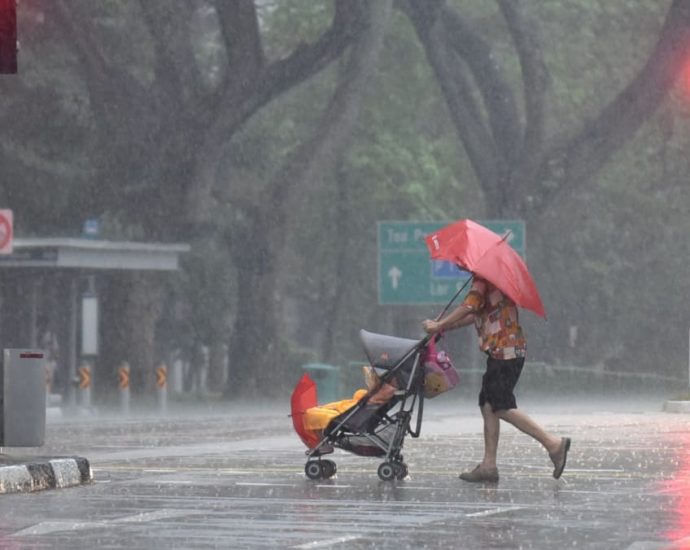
(545, 377)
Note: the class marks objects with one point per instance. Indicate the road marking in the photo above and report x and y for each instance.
(418, 521)
(327, 542)
(653, 545)
(493, 512)
(47, 527)
(258, 484)
(596, 470)
(176, 482)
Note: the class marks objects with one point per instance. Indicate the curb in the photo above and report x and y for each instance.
(40, 474)
(677, 406)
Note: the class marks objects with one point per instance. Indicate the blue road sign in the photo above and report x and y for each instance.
(406, 274)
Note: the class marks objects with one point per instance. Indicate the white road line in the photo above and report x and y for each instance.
(594, 470)
(47, 527)
(494, 511)
(176, 482)
(327, 542)
(653, 545)
(258, 484)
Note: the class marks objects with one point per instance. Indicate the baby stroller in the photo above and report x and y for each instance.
(375, 422)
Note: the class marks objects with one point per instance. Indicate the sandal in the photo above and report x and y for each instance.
(560, 457)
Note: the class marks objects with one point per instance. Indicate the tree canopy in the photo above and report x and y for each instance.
(272, 136)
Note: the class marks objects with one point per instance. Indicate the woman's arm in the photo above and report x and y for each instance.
(461, 316)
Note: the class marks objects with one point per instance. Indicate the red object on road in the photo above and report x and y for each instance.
(303, 398)
(489, 256)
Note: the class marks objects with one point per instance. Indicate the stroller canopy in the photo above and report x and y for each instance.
(383, 351)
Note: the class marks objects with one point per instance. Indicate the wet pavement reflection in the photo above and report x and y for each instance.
(236, 480)
(678, 488)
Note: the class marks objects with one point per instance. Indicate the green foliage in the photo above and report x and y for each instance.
(289, 22)
(593, 49)
(610, 258)
(207, 314)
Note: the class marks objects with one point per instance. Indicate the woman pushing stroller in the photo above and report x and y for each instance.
(495, 317)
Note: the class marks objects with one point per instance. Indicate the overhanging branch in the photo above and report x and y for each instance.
(426, 17)
(535, 83)
(573, 163)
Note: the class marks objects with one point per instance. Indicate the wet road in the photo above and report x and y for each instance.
(234, 479)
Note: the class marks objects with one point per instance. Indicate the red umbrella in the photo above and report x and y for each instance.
(303, 398)
(489, 256)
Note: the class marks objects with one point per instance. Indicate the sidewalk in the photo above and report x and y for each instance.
(22, 474)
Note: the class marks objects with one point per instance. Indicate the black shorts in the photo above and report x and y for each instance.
(499, 382)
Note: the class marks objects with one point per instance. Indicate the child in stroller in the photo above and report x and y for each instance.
(375, 421)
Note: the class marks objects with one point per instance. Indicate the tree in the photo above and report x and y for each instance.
(525, 166)
(163, 125)
(260, 249)
(147, 114)
(519, 170)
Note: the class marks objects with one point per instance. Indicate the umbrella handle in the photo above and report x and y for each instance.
(443, 312)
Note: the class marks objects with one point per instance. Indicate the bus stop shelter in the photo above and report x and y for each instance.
(49, 290)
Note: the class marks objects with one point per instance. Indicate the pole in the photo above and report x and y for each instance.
(33, 335)
(453, 299)
(123, 385)
(162, 387)
(49, 382)
(85, 385)
(72, 352)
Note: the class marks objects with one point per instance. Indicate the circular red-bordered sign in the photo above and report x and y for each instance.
(5, 231)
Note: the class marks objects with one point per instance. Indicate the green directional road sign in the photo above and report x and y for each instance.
(407, 276)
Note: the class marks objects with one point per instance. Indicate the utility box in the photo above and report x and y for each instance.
(22, 398)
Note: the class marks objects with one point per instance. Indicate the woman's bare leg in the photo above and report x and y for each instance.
(492, 428)
(526, 425)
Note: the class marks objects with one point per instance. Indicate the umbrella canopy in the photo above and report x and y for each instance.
(489, 256)
(303, 398)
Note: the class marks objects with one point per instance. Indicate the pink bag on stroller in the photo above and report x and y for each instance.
(439, 373)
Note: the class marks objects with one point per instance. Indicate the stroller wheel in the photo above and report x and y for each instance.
(387, 471)
(400, 470)
(313, 469)
(328, 468)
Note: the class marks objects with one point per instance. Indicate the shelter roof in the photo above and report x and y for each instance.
(93, 254)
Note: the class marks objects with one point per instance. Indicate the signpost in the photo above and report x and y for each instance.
(406, 275)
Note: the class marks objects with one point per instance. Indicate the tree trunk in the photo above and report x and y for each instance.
(132, 304)
(335, 292)
(114, 295)
(256, 343)
(175, 130)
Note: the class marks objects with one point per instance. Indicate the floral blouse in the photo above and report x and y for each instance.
(496, 321)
